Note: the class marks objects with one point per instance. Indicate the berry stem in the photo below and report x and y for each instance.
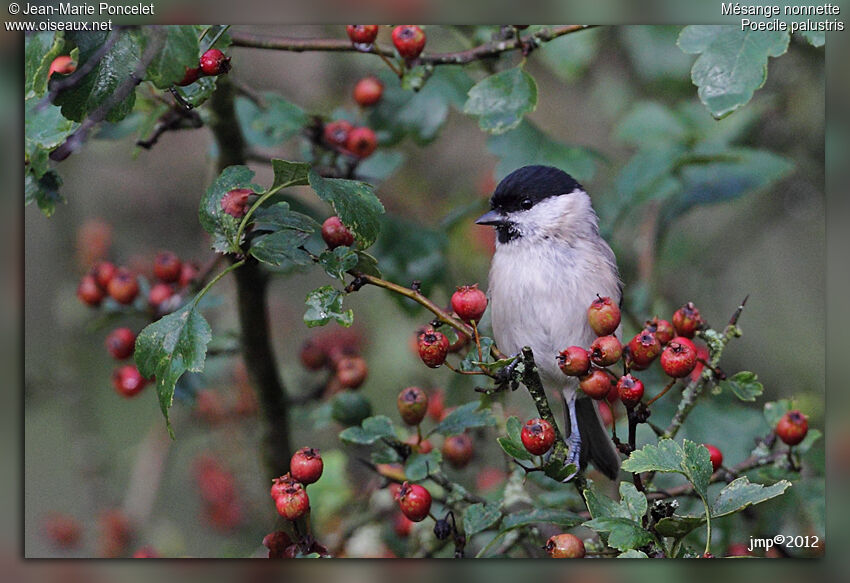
(662, 393)
(391, 65)
(477, 340)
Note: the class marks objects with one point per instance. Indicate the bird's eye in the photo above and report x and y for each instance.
(526, 203)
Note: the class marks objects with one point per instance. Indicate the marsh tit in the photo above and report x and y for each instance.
(550, 263)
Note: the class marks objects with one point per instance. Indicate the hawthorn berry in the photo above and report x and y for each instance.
(412, 404)
(436, 405)
(116, 532)
(336, 132)
(433, 347)
(351, 371)
(306, 465)
(63, 64)
(606, 414)
(277, 543)
(603, 315)
(191, 75)
(702, 355)
(62, 530)
(159, 293)
(312, 356)
(630, 390)
(362, 33)
(643, 349)
(235, 202)
(293, 502)
(537, 436)
(605, 351)
(687, 320)
(167, 266)
(596, 384)
(214, 62)
(409, 40)
(123, 287)
(128, 381)
(423, 446)
(335, 234)
(188, 273)
(792, 427)
(368, 91)
(662, 329)
(469, 302)
(716, 456)
(361, 142)
(89, 292)
(574, 361)
(103, 273)
(120, 343)
(279, 485)
(402, 525)
(457, 450)
(565, 546)
(414, 501)
(679, 357)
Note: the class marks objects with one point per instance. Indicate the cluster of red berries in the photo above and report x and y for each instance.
(219, 496)
(341, 136)
(211, 64)
(408, 39)
(289, 491)
(413, 405)
(469, 304)
(339, 351)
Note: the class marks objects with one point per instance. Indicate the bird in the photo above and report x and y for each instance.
(550, 263)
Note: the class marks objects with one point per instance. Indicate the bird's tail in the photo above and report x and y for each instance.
(596, 444)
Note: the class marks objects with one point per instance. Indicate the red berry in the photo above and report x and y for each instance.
(146, 552)
(62, 530)
(424, 446)
(596, 384)
(702, 354)
(188, 273)
(679, 357)
(457, 450)
(335, 234)
(603, 315)
(277, 543)
(63, 65)
(412, 404)
(687, 320)
(167, 266)
(605, 351)
(537, 436)
(103, 273)
(192, 74)
(312, 356)
(89, 292)
(214, 62)
(159, 293)
(235, 202)
(402, 525)
(351, 371)
(574, 361)
(279, 486)
(565, 546)
(362, 33)
(630, 390)
(128, 381)
(306, 465)
(606, 414)
(738, 550)
(643, 349)
(414, 501)
(793, 427)
(336, 132)
(115, 533)
(293, 501)
(433, 347)
(469, 302)
(361, 142)
(409, 40)
(368, 91)
(663, 329)
(123, 287)
(120, 343)
(436, 406)
(716, 456)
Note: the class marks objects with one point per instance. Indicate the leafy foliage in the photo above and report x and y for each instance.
(325, 304)
(271, 124)
(512, 444)
(371, 430)
(500, 101)
(214, 220)
(179, 50)
(744, 385)
(464, 417)
(354, 202)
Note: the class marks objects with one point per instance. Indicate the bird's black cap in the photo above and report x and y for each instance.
(527, 186)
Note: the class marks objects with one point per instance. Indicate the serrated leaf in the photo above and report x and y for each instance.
(472, 361)
(632, 502)
(464, 417)
(479, 517)
(98, 86)
(45, 126)
(632, 554)
(678, 526)
(744, 384)
(816, 38)
(371, 430)
(514, 449)
(419, 465)
(562, 518)
(179, 50)
(500, 101)
(559, 472)
(513, 427)
(288, 173)
(281, 247)
(325, 304)
(697, 466)
(623, 534)
(39, 52)
(666, 456)
(354, 202)
(271, 125)
(732, 63)
(741, 493)
(336, 262)
(213, 219)
(279, 216)
(600, 505)
(172, 345)
(367, 264)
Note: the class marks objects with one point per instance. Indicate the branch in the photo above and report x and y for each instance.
(531, 379)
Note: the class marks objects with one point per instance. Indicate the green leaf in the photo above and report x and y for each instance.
(464, 417)
(569, 56)
(45, 126)
(816, 38)
(678, 526)
(632, 502)
(179, 50)
(623, 534)
(336, 262)
(371, 430)
(279, 216)
(43, 191)
(745, 385)
(350, 408)
(527, 144)
(562, 518)
(632, 554)
(288, 173)
(632, 505)
(500, 101)
(649, 123)
(325, 304)
(732, 62)
(419, 465)
(172, 345)
(653, 54)
(480, 517)
(195, 94)
(281, 247)
(98, 86)
(40, 51)
(354, 202)
(697, 466)
(367, 264)
(213, 219)
(271, 125)
(512, 444)
(666, 456)
(740, 493)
